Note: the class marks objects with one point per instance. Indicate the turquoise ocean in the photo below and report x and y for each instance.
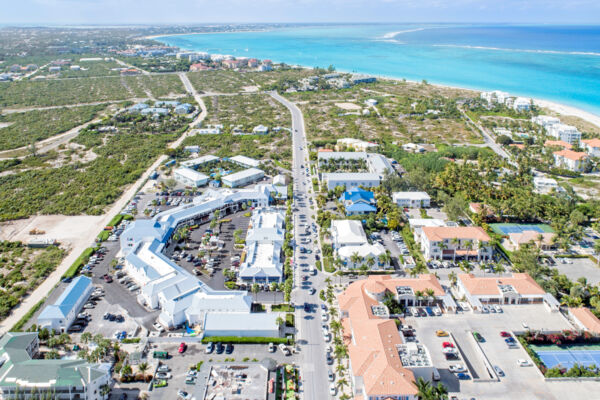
(556, 63)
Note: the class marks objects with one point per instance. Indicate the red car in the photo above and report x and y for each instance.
(108, 278)
(505, 334)
(447, 344)
(182, 347)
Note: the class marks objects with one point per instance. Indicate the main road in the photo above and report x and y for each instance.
(313, 366)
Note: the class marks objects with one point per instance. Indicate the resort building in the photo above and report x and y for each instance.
(60, 315)
(245, 161)
(411, 199)
(345, 232)
(22, 373)
(382, 366)
(566, 133)
(417, 225)
(243, 178)
(179, 295)
(358, 201)
(575, 161)
(190, 177)
(495, 96)
(264, 243)
(545, 120)
(522, 104)
(591, 146)
(558, 143)
(447, 242)
(585, 319)
(520, 288)
(350, 180)
(543, 240)
(367, 169)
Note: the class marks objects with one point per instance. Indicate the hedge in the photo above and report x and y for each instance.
(245, 340)
(116, 220)
(79, 262)
(20, 323)
(103, 236)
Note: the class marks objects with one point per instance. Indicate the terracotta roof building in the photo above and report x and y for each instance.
(520, 288)
(558, 143)
(572, 160)
(585, 319)
(380, 363)
(591, 146)
(449, 242)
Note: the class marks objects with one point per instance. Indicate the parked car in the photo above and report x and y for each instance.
(524, 363)
(163, 368)
(160, 383)
(332, 389)
(505, 334)
(498, 370)
(447, 344)
(229, 348)
(441, 333)
(478, 336)
(271, 348)
(220, 348)
(462, 376)
(163, 375)
(182, 347)
(210, 347)
(184, 395)
(456, 368)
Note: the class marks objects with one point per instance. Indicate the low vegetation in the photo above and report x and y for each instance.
(22, 270)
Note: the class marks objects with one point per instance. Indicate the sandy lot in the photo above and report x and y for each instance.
(60, 227)
(250, 89)
(348, 106)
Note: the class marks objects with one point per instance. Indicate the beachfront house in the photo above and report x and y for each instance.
(575, 161)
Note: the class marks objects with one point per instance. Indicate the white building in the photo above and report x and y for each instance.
(417, 225)
(591, 146)
(411, 199)
(260, 130)
(545, 185)
(60, 315)
(495, 96)
(264, 243)
(255, 325)
(245, 161)
(446, 242)
(243, 178)
(352, 247)
(545, 121)
(522, 104)
(356, 144)
(190, 177)
(195, 162)
(351, 180)
(179, 295)
(566, 133)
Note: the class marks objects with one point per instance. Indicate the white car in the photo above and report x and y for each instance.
(498, 308)
(330, 376)
(524, 324)
(524, 363)
(271, 348)
(158, 327)
(184, 395)
(284, 349)
(163, 375)
(456, 368)
(485, 309)
(332, 389)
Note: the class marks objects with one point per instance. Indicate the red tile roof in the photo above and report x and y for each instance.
(571, 155)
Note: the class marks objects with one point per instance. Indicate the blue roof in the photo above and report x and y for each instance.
(357, 194)
(361, 207)
(68, 299)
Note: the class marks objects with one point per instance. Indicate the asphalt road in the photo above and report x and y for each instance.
(312, 363)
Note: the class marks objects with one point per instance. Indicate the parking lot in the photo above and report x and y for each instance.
(179, 364)
(575, 268)
(524, 382)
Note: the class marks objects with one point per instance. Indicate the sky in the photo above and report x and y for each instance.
(73, 12)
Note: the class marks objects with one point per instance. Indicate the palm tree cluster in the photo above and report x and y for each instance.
(427, 391)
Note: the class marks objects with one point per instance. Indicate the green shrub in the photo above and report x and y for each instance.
(79, 262)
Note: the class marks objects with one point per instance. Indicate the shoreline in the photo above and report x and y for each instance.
(559, 108)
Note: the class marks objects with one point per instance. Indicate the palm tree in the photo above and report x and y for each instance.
(371, 261)
(499, 269)
(430, 295)
(340, 368)
(341, 383)
(255, 289)
(453, 278)
(86, 337)
(419, 297)
(424, 389)
(142, 367)
(355, 259)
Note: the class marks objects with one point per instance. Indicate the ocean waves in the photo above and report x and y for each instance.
(575, 53)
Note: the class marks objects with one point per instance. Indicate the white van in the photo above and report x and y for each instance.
(435, 374)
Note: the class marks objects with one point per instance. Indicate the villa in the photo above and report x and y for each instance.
(591, 146)
(572, 160)
(447, 242)
(411, 199)
(585, 319)
(350, 244)
(358, 201)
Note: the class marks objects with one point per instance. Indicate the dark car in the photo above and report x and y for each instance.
(220, 348)
(306, 307)
(312, 291)
(422, 312)
(229, 348)
(75, 328)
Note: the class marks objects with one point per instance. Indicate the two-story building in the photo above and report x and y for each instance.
(411, 199)
(461, 242)
(575, 161)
